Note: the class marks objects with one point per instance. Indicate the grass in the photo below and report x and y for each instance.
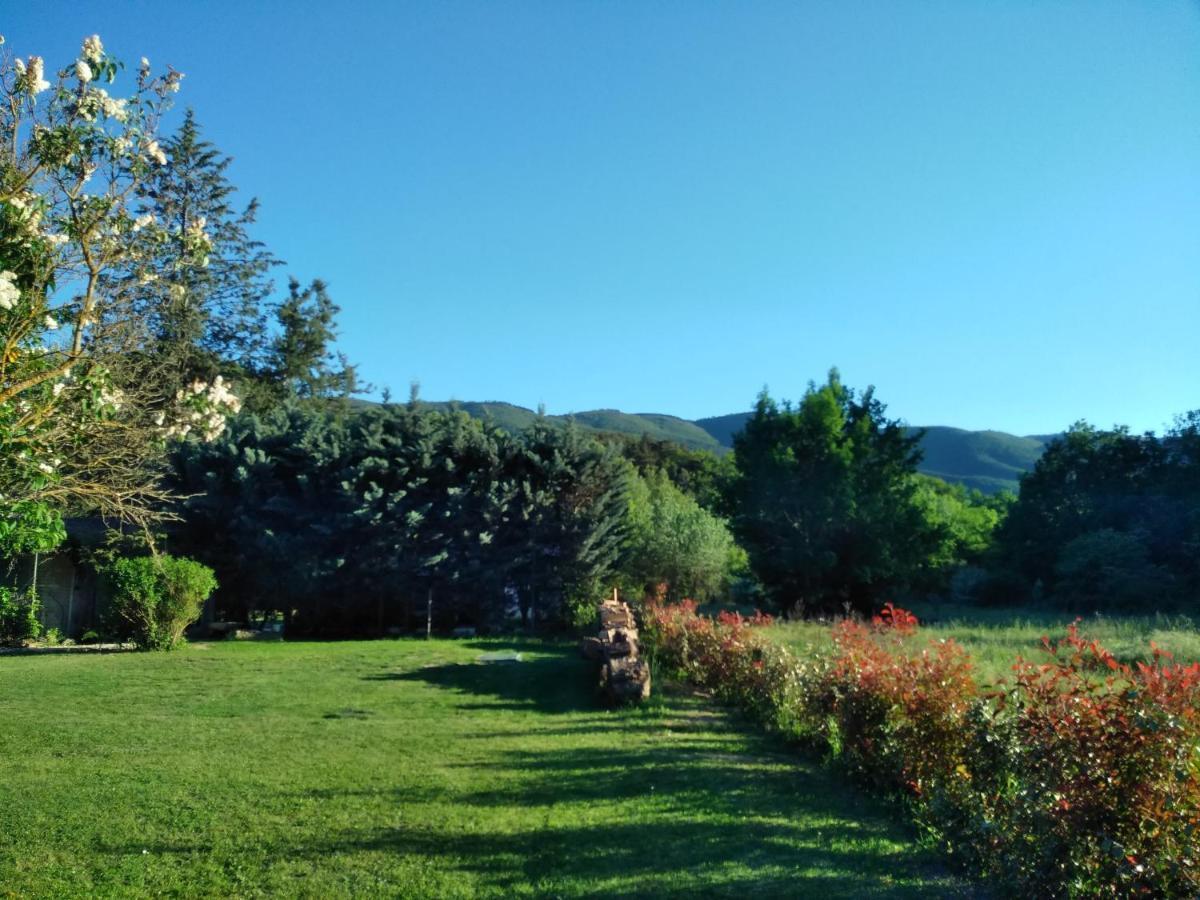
(995, 638)
(407, 768)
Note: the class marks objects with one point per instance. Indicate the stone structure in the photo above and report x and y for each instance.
(623, 676)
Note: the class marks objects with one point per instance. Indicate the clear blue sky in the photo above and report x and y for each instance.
(991, 211)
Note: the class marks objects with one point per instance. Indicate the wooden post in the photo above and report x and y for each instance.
(429, 613)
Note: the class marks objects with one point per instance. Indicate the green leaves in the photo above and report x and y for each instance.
(823, 499)
(29, 526)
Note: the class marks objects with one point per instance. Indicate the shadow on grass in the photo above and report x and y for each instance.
(677, 800)
(652, 822)
(558, 682)
(688, 804)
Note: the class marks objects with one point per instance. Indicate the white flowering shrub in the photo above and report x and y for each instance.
(83, 422)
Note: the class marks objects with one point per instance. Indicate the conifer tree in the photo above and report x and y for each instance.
(302, 363)
(207, 315)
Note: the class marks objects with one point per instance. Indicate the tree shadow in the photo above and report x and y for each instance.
(681, 800)
(554, 684)
(687, 804)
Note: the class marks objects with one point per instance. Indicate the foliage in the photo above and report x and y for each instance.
(203, 315)
(1077, 777)
(964, 520)
(425, 501)
(29, 526)
(84, 416)
(301, 363)
(699, 474)
(1092, 774)
(676, 543)
(357, 520)
(1108, 569)
(987, 461)
(155, 598)
(18, 616)
(566, 542)
(264, 509)
(824, 500)
(1110, 519)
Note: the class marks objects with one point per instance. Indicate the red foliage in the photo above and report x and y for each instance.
(1080, 777)
(894, 617)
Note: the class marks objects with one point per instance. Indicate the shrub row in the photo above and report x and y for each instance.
(1079, 776)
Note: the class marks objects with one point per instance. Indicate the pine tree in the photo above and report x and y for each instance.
(202, 315)
(301, 363)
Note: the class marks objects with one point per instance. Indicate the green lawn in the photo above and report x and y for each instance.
(995, 638)
(405, 768)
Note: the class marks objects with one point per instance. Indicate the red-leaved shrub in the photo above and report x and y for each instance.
(1079, 777)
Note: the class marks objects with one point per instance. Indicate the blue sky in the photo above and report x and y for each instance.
(991, 211)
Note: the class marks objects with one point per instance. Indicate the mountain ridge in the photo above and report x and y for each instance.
(987, 460)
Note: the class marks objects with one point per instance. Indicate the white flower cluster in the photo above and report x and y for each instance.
(9, 292)
(111, 107)
(198, 240)
(95, 103)
(31, 75)
(92, 49)
(49, 467)
(112, 398)
(207, 406)
(26, 211)
(156, 153)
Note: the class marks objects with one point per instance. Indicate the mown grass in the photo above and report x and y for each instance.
(406, 768)
(996, 637)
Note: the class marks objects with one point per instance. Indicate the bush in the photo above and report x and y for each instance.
(18, 617)
(1080, 777)
(155, 598)
(1109, 569)
(1003, 588)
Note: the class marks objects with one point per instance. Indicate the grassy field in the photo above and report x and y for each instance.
(995, 638)
(406, 768)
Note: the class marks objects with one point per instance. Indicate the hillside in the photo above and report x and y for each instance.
(659, 427)
(987, 460)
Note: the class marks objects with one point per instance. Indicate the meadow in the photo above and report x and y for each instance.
(411, 768)
(996, 637)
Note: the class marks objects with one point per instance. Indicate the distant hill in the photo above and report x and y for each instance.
(659, 427)
(990, 461)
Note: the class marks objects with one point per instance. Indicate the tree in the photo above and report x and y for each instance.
(567, 540)
(965, 521)
(675, 542)
(1086, 480)
(84, 412)
(301, 363)
(1095, 494)
(265, 506)
(698, 473)
(824, 500)
(429, 503)
(207, 315)
(1108, 570)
